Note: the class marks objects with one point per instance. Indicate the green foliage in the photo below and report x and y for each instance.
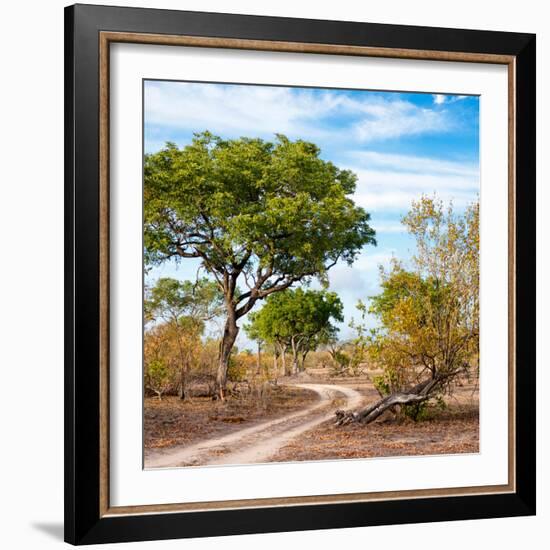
(416, 411)
(348, 357)
(265, 215)
(251, 201)
(382, 384)
(238, 368)
(158, 371)
(170, 300)
(299, 319)
(158, 376)
(358, 344)
(176, 312)
(341, 360)
(429, 315)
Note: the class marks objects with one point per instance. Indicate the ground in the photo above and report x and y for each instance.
(171, 421)
(294, 421)
(453, 431)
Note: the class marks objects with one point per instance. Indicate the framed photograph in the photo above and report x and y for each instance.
(300, 274)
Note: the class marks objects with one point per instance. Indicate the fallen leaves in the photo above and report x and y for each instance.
(175, 422)
(455, 431)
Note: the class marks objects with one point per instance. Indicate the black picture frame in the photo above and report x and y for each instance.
(84, 523)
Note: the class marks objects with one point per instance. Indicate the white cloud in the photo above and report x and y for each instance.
(388, 227)
(261, 110)
(377, 190)
(367, 262)
(344, 278)
(359, 281)
(393, 119)
(439, 99)
(413, 164)
(241, 109)
(400, 200)
(391, 182)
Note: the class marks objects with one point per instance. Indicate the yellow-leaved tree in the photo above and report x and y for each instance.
(428, 315)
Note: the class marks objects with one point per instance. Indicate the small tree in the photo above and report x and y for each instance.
(348, 357)
(358, 344)
(184, 307)
(159, 365)
(254, 334)
(169, 299)
(429, 316)
(260, 214)
(158, 377)
(299, 320)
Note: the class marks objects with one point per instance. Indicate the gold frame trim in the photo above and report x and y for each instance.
(105, 39)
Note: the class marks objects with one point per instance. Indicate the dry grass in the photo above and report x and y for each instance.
(175, 422)
(451, 431)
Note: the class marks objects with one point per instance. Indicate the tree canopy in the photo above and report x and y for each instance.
(171, 300)
(428, 314)
(297, 319)
(262, 214)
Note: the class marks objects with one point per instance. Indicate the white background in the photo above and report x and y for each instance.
(31, 403)
(130, 484)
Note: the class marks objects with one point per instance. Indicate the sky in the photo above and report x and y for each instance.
(400, 146)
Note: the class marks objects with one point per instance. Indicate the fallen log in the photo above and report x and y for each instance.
(419, 393)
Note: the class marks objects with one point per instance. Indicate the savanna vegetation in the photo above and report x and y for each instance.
(265, 223)
(428, 335)
(260, 216)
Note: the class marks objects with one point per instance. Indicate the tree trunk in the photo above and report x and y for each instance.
(371, 413)
(183, 384)
(294, 356)
(183, 369)
(259, 358)
(303, 361)
(286, 370)
(275, 362)
(417, 394)
(229, 336)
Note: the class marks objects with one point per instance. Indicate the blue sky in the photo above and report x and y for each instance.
(400, 145)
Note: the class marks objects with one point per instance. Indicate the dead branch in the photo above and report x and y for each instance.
(417, 394)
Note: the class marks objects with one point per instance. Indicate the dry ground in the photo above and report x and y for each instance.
(260, 441)
(450, 431)
(173, 422)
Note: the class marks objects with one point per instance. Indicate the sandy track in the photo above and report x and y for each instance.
(257, 443)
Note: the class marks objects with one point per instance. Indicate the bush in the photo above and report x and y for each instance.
(241, 366)
(158, 376)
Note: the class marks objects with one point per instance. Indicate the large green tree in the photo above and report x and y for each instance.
(259, 215)
(299, 320)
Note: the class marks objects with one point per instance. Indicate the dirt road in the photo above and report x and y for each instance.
(257, 443)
